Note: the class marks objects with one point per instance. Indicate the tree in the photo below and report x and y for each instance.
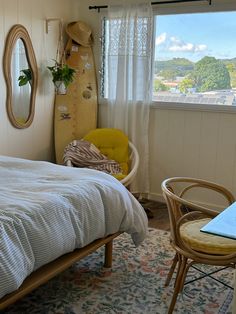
(232, 72)
(210, 74)
(186, 84)
(169, 74)
(159, 86)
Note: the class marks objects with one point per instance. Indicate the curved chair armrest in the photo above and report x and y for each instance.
(193, 184)
(211, 186)
(134, 157)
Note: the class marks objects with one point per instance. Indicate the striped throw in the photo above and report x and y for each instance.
(86, 155)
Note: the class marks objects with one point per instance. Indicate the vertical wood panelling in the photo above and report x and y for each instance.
(175, 141)
(208, 146)
(35, 142)
(159, 120)
(10, 14)
(191, 143)
(234, 172)
(45, 99)
(3, 113)
(225, 160)
(11, 18)
(200, 144)
(25, 14)
(42, 117)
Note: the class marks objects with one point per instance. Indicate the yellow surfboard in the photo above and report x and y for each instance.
(75, 113)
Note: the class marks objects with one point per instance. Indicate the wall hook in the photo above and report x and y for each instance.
(52, 20)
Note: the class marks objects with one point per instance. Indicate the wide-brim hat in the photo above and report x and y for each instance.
(80, 32)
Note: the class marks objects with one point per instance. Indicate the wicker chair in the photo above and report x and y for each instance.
(109, 140)
(186, 219)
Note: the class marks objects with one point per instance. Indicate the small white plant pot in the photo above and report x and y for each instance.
(60, 88)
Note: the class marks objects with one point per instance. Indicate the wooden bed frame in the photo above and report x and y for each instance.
(48, 271)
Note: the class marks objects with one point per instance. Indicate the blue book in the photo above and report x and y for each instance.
(223, 224)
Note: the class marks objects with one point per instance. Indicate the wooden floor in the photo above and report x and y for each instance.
(159, 212)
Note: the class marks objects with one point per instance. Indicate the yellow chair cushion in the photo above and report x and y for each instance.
(119, 176)
(205, 242)
(114, 144)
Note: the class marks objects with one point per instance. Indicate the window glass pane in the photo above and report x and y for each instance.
(195, 58)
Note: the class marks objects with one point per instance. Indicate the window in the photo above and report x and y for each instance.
(195, 58)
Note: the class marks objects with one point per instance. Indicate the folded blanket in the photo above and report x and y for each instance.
(84, 154)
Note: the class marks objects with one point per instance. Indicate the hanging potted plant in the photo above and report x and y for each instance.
(62, 76)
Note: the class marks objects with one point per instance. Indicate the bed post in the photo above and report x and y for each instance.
(108, 254)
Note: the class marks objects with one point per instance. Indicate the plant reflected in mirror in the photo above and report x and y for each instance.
(25, 77)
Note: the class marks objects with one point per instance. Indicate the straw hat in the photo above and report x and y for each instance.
(80, 32)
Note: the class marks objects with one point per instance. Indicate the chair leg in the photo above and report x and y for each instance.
(172, 269)
(178, 281)
(185, 274)
(178, 268)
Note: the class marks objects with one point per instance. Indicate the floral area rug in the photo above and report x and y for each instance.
(134, 285)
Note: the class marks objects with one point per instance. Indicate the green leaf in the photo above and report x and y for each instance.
(62, 72)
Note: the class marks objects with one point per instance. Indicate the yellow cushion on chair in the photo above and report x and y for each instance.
(114, 144)
(204, 242)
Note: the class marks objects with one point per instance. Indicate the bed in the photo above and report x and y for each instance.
(51, 216)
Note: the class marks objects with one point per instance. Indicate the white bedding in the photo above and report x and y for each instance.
(48, 210)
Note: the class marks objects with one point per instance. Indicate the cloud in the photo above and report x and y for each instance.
(201, 47)
(178, 45)
(161, 39)
(174, 44)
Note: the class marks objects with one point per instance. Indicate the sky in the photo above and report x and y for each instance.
(193, 36)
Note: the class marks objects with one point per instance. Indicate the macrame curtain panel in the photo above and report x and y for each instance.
(129, 58)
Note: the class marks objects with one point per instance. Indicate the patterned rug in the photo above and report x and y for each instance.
(134, 285)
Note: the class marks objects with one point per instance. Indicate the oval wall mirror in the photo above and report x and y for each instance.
(21, 75)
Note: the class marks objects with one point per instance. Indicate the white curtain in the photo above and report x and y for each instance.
(129, 78)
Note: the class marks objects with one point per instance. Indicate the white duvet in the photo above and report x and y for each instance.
(48, 210)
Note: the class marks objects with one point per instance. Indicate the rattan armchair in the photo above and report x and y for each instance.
(110, 140)
(186, 219)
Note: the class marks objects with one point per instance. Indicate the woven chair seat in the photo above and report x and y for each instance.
(204, 242)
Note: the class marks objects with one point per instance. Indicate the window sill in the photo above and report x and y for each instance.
(193, 107)
(185, 106)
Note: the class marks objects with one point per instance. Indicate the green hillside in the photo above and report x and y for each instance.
(204, 75)
(176, 66)
(184, 66)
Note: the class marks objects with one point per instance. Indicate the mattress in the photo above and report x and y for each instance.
(47, 210)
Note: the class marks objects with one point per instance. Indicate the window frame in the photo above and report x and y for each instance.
(170, 9)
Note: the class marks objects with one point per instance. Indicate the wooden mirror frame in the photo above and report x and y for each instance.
(19, 32)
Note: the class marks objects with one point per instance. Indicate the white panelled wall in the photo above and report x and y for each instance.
(191, 143)
(35, 142)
